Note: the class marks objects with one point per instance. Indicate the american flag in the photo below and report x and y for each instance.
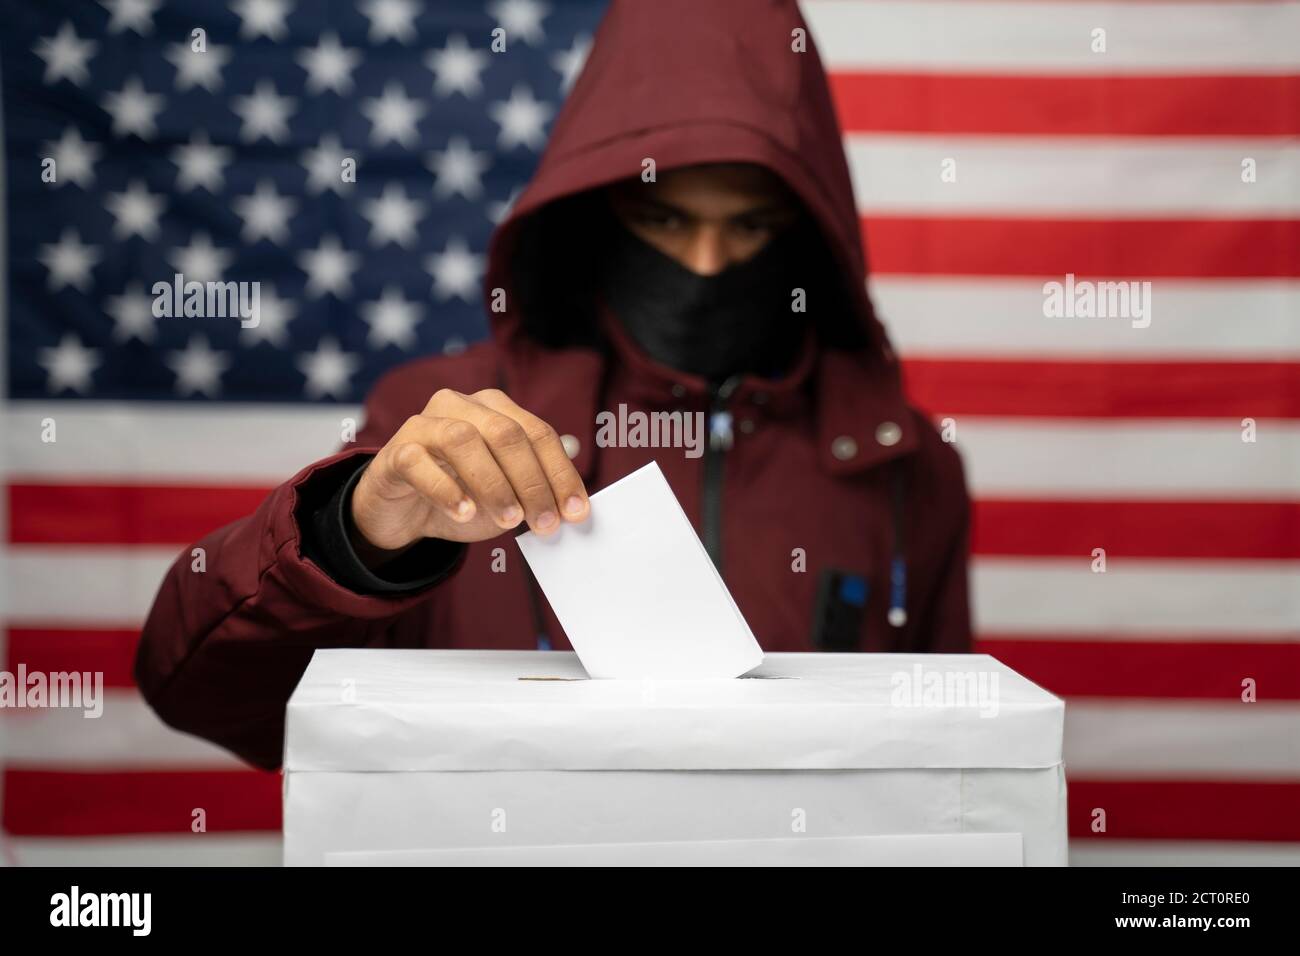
(995, 147)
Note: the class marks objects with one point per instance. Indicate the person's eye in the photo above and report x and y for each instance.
(752, 228)
(658, 219)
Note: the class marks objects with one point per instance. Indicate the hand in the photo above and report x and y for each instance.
(467, 468)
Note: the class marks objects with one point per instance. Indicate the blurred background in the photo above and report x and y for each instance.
(995, 147)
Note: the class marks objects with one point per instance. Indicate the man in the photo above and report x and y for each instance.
(689, 243)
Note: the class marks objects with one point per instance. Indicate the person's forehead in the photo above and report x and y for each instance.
(732, 184)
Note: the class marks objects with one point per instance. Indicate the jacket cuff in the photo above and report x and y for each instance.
(326, 539)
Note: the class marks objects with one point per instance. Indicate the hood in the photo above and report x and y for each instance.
(687, 82)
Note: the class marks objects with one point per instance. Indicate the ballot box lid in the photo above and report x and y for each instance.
(434, 710)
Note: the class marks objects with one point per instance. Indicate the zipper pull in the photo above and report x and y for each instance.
(721, 434)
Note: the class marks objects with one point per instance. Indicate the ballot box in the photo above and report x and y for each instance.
(516, 757)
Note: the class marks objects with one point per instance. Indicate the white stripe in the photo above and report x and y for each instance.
(1128, 458)
(1077, 177)
(1056, 38)
(1109, 852)
(1206, 740)
(189, 849)
(127, 735)
(1063, 597)
(1190, 599)
(1239, 319)
(251, 443)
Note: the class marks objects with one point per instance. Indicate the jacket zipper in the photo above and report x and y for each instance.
(721, 438)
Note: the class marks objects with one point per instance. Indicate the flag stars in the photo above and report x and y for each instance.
(134, 111)
(393, 217)
(522, 119)
(137, 212)
(69, 365)
(324, 166)
(392, 320)
(328, 370)
(198, 369)
(568, 63)
(262, 18)
(455, 271)
(329, 268)
(74, 158)
(201, 261)
(136, 15)
(132, 314)
(458, 170)
(199, 163)
(273, 317)
(69, 262)
(329, 66)
(263, 114)
(266, 214)
(393, 117)
(457, 68)
(391, 19)
(66, 56)
(521, 19)
(195, 68)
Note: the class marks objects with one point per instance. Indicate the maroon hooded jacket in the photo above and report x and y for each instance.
(811, 480)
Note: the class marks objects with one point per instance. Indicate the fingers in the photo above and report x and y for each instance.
(566, 485)
(412, 462)
(460, 444)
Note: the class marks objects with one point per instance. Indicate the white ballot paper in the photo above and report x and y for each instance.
(635, 590)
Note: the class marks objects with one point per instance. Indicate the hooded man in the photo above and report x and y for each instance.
(688, 245)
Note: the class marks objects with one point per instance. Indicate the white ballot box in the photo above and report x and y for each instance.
(515, 757)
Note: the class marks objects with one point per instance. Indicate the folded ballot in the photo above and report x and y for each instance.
(635, 590)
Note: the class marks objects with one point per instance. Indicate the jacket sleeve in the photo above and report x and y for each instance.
(238, 616)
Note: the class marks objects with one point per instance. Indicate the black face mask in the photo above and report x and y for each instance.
(737, 321)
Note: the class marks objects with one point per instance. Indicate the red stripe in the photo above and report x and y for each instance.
(1255, 530)
(1186, 810)
(1140, 248)
(125, 513)
(1068, 105)
(110, 651)
(1109, 389)
(1193, 670)
(66, 803)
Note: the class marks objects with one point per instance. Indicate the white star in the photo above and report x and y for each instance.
(134, 15)
(457, 68)
(262, 18)
(198, 369)
(522, 119)
(392, 319)
(497, 211)
(521, 19)
(458, 169)
(329, 66)
(133, 110)
(455, 271)
(391, 19)
(568, 63)
(69, 261)
(73, 158)
(266, 214)
(195, 68)
(264, 113)
(329, 268)
(69, 364)
(200, 164)
(324, 165)
(393, 217)
(201, 261)
(393, 117)
(136, 211)
(327, 369)
(66, 55)
(273, 317)
(132, 314)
